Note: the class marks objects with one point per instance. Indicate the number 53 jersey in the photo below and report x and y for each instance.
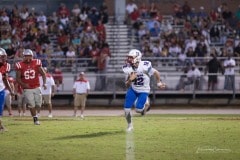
(30, 72)
(144, 72)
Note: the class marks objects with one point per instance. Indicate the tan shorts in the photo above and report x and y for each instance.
(46, 99)
(80, 100)
(33, 97)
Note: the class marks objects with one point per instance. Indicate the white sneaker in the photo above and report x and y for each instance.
(129, 128)
(146, 107)
(82, 116)
(50, 116)
(37, 123)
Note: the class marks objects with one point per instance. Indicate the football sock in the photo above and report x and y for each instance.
(128, 117)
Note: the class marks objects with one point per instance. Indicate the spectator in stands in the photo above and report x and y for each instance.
(93, 15)
(181, 60)
(174, 50)
(237, 13)
(214, 34)
(76, 41)
(101, 31)
(200, 52)
(190, 56)
(153, 10)
(144, 10)
(47, 93)
(229, 65)
(226, 13)
(63, 40)
(42, 55)
(155, 31)
(186, 9)
(166, 28)
(81, 88)
(102, 66)
(142, 31)
(213, 15)
(134, 16)
(63, 10)
(58, 78)
(191, 76)
(70, 55)
(94, 52)
(213, 67)
(130, 7)
(202, 13)
(24, 13)
(18, 55)
(191, 42)
(76, 10)
(83, 16)
(41, 18)
(103, 14)
(64, 23)
(5, 41)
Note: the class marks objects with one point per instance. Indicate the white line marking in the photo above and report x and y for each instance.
(130, 149)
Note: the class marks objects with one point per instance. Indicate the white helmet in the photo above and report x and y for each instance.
(136, 55)
(2, 52)
(28, 52)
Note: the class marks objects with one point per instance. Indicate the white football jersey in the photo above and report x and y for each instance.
(2, 86)
(144, 72)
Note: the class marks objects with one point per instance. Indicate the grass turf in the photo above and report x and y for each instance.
(155, 137)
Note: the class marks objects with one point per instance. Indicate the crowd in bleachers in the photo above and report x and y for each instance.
(68, 33)
(186, 35)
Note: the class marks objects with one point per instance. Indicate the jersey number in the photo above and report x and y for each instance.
(139, 80)
(29, 74)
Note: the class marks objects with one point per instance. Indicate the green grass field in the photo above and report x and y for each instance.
(155, 137)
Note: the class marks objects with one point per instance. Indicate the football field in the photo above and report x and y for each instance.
(102, 135)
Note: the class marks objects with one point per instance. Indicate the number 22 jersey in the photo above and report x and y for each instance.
(144, 72)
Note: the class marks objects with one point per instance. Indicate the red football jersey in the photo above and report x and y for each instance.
(30, 72)
(5, 68)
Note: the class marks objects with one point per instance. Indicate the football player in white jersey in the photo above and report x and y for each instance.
(138, 75)
(4, 83)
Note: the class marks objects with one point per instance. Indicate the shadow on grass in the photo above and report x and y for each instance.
(89, 135)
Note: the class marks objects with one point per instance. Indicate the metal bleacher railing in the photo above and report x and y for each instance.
(113, 79)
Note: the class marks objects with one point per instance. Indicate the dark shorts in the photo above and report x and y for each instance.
(212, 78)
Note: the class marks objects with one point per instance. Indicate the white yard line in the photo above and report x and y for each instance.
(130, 149)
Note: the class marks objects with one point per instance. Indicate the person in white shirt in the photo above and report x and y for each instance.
(229, 65)
(192, 76)
(47, 93)
(81, 88)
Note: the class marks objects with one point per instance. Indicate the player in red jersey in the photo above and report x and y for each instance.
(27, 75)
(4, 83)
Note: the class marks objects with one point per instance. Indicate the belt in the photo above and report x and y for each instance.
(81, 93)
